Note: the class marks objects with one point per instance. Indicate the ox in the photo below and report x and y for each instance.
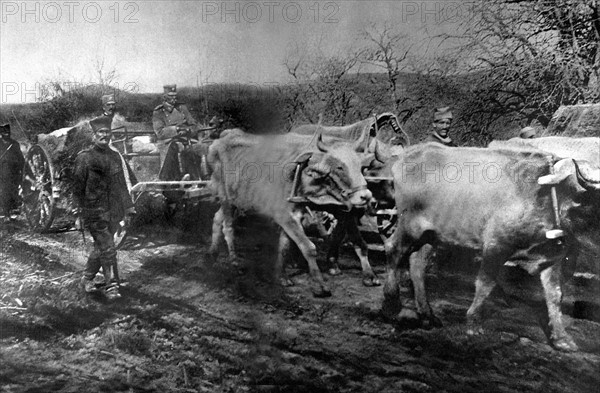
(277, 176)
(367, 137)
(505, 204)
(587, 149)
(372, 126)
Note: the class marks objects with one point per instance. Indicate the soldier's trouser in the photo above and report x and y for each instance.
(105, 253)
(178, 159)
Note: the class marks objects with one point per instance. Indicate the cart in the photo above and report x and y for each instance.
(47, 198)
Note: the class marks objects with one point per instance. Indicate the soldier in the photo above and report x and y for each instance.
(442, 119)
(527, 133)
(109, 105)
(170, 120)
(101, 191)
(11, 172)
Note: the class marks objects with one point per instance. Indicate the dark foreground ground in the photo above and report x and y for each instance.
(184, 325)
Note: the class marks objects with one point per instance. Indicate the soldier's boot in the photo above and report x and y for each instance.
(112, 291)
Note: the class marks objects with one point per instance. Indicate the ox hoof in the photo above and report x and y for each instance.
(334, 271)
(371, 281)
(565, 344)
(322, 291)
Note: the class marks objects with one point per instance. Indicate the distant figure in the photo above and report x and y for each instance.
(11, 173)
(527, 133)
(100, 190)
(109, 105)
(442, 119)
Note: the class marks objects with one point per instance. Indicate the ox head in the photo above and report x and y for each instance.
(332, 176)
(578, 186)
(585, 175)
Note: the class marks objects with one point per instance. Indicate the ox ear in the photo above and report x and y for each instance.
(380, 154)
(588, 175)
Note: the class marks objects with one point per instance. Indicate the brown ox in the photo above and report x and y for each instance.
(260, 173)
(498, 202)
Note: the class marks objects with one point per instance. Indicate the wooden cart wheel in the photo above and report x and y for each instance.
(386, 223)
(38, 179)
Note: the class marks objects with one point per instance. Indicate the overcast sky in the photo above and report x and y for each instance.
(151, 43)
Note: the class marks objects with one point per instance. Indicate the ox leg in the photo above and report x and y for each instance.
(418, 265)
(217, 234)
(223, 228)
(559, 337)
(336, 238)
(362, 251)
(292, 226)
(491, 262)
(279, 271)
(395, 253)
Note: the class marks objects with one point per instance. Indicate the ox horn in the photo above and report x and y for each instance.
(360, 144)
(320, 144)
(380, 155)
(587, 174)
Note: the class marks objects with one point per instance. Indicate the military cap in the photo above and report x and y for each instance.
(170, 89)
(442, 113)
(108, 99)
(5, 129)
(101, 123)
(527, 132)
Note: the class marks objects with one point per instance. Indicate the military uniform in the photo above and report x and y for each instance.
(166, 118)
(11, 171)
(100, 189)
(435, 137)
(440, 115)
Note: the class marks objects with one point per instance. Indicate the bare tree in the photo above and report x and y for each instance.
(322, 82)
(105, 75)
(526, 58)
(388, 50)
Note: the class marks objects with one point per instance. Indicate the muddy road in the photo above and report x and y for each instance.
(185, 324)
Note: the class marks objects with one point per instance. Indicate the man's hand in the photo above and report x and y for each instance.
(183, 131)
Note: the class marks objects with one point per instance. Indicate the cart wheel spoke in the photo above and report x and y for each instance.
(37, 189)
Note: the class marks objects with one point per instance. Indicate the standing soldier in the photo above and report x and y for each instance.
(100, 189)
(442, 119)
(11, 172)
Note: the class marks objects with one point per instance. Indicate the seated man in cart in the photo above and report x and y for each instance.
(100, 190)
(172, 122)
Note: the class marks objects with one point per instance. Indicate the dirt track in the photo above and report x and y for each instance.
(184, 325)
